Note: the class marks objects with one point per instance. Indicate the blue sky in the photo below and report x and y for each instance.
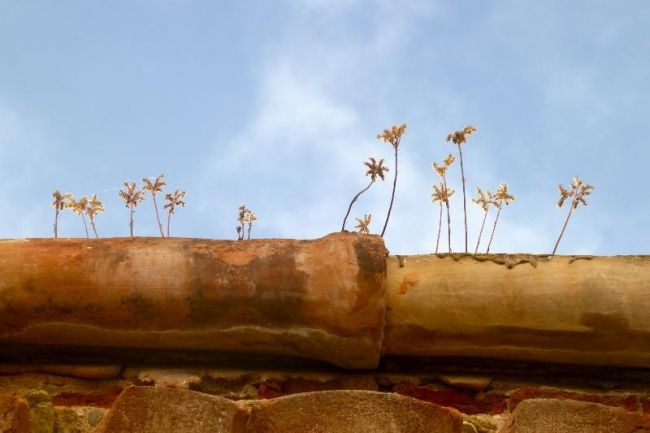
(276, 104)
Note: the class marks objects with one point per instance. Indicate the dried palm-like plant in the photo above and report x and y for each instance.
(249, 219)
(95, 207)
(501, 196)
(458, 138)
(441, 194)
(363, 224)
(245, 218)
(576, 194)
(483, 199)
(154, 187)
(393, 136)
(173, 200)
(375, 170)
(80, 207)
(132, 197)
(59, 202)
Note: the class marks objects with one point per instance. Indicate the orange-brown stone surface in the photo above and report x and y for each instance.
(351, 412)
(321, 299)
(14, 415)
(172, 410)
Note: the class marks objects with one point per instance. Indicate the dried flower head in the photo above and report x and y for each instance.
(131, 196)
(363, 224)
(449, 160)
(502, 195)
(95, 206)
(393, 135)
(441, 169)
(484, 198)
(441, 193)
(60, 201)
(80, 206)
(243, 210)
(154, 186)
(250, 217)
(375, 169)
(460, 137)
(579, 190)
(175, 199)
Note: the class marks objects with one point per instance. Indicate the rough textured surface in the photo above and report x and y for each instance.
(172, 410)
(566, 416)
(321, 299)
(351, 411)
(578, 310)
(14, 415)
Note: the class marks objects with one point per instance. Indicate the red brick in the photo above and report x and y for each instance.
(488, 404)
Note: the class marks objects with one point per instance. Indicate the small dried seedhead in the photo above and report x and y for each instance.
(502, 195)
(579, 190)
(441, 193)
(460, 137)
(393, 135)
(154, 186)
(484, 199)
(80, 206)
(61, 201)
(363, 224)
(131, 196)
(95, 206)
(175, 199)
(375, 169)
(441, 169)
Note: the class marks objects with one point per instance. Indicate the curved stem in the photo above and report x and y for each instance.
(155, 205)
(392, 196)
(83, 218)
(92, 224)
(439, 228)
(462, 174)
(496, 220)
(352, 202)
(481, 232)
(566, 221)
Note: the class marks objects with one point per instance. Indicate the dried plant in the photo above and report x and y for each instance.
(375, 170)
(393, 136)
(60, 202)
(501, 196)
(443, 193)
(132, 197)
(95, 207)
(173, 200)
(80, 207)
(363, 224)
(245, 218)
(484, 199)
(458, 138)
(154, 187)
(579, 190)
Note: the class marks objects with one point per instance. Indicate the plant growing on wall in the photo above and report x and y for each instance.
(442, 194)
(393, 136)
(173, 200)
(132, 197)
(95, 207)
(576, 194)
(249, 219)
(59, 202)
(458, 138)
(375, 170)
(80, 207)
(484, 199)
(154, 187)
(246, 218)
(363, 224)
(501, 196)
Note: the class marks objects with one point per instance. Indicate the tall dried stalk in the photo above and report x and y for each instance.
(245, 218)
(132, 198)
(375, 170)
(501, 196)
(442, 193)
(80, 207)
(154, 187)
(95, 207)
(579, 190)
(393, 136)
(484, 199)
(60, 202)
(458, 138)
(173, 200)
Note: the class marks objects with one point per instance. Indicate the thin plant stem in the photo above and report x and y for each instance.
(462, 174)
(444, 182)
(566, 221)
(481, 231)
(169, 217)
(249, 231)
(56, 223)
(439, 228)
(131, 222)
(155, 205)
(392, 196)
(351, 203)
(496, 220)
(92, 224)
(83, 218)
